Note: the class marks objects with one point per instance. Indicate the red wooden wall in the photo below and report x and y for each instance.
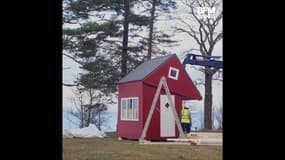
(125, 128)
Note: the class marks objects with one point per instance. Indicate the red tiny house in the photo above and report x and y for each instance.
(136, 93)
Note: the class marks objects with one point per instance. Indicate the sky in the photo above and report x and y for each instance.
(185, 43)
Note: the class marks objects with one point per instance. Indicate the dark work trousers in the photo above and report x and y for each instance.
(186, 127)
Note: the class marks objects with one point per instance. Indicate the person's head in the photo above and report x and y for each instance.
(186, 107)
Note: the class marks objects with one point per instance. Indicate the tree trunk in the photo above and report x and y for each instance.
(82, 118)
(149, 51)
(125, 39)
(208, 100)
(81, 112)
(99, 126)
(89, 107)
(89, 117)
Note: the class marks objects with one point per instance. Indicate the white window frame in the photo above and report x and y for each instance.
(132, 111)
(174, 69)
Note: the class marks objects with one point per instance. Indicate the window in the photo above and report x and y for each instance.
(130, 108)
(173, 73)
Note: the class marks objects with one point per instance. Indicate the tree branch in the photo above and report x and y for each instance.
(219, 37)
(73, 58)
(69, 85)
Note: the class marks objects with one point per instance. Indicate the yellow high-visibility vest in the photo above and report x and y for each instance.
(185, 116)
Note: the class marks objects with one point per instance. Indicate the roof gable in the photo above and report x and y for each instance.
(145, 69)
(183, 85)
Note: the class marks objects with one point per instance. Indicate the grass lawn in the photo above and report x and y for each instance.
(112, 149)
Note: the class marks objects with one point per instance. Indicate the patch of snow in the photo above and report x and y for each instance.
(88, 132)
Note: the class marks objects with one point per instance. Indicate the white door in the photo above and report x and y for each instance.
(167, 121)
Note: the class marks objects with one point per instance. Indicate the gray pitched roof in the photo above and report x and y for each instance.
(146, 68)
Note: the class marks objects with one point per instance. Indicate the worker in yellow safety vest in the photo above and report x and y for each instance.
(186, 121)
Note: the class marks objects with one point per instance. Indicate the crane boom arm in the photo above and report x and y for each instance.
(207, 61)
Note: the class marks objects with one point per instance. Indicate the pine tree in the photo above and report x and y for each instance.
(96, 45)
(159, 37)
(86, 44)
(131, 22)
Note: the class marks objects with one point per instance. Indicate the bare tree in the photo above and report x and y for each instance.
(78, 110)
(95, 109)
(88, 107)
(97, 118)
(205, 32)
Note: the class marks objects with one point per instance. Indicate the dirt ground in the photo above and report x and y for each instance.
(111, 148)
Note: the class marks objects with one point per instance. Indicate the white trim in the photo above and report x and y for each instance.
(127, 119)
(177, 73)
